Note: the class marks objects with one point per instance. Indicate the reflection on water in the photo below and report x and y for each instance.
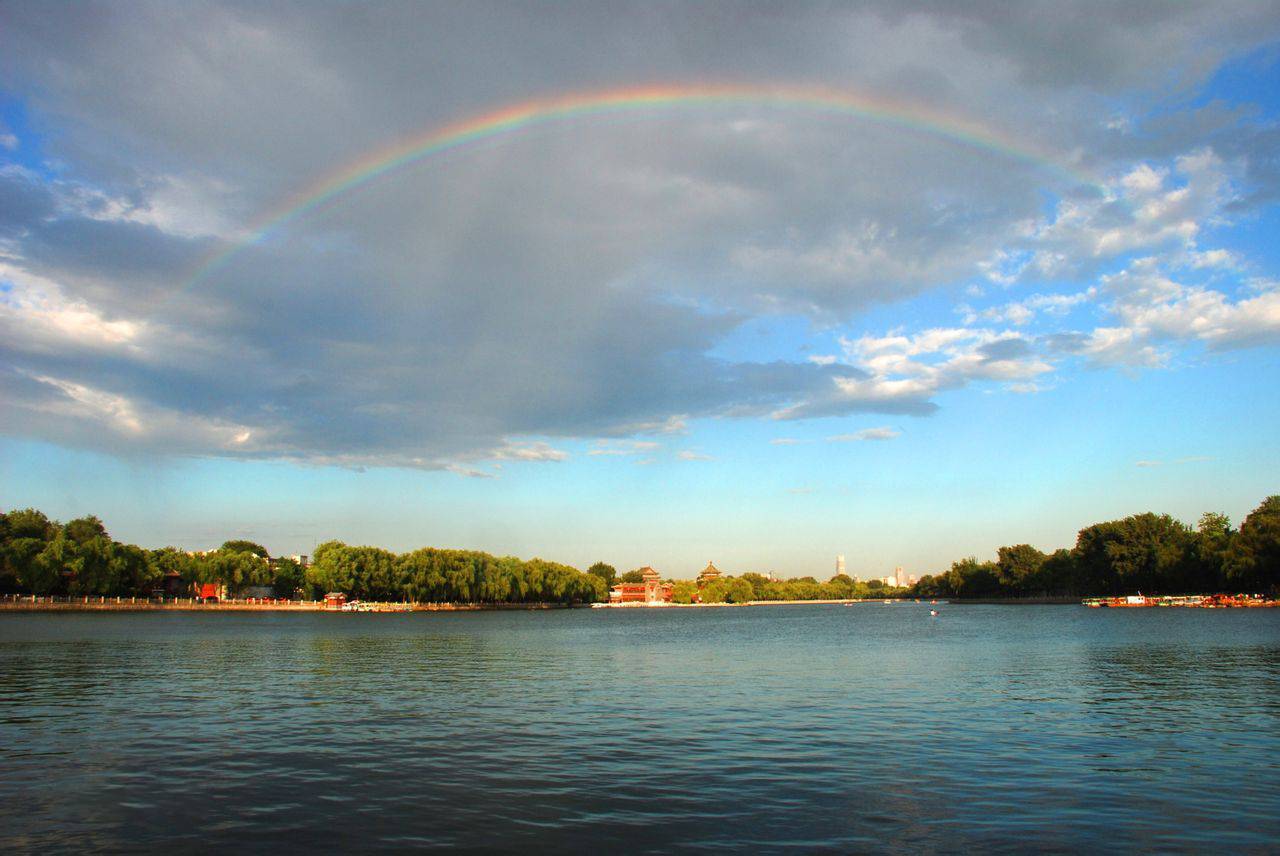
(867, 728)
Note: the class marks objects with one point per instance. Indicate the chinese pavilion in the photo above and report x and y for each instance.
(651, 590)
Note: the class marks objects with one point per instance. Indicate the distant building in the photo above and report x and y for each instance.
(839, 565)
(900, 577)
(652, 590)
(709, 573)
(335, 600)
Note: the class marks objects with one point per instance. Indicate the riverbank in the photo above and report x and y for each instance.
(127, 604)
(662, 605)
(1018, 601)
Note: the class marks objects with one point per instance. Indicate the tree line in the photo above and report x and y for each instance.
(1149, 553)
(44, 557)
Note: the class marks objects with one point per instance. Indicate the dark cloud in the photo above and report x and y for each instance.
(1003, 350)
(573, 280)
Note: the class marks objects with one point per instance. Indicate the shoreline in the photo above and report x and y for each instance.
(124, 604)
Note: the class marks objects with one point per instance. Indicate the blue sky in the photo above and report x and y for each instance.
(755, 336)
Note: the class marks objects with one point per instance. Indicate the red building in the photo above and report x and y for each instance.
(652, 590)
(209, 591)
(335, 600)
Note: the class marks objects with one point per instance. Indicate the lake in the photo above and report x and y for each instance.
(815, 728)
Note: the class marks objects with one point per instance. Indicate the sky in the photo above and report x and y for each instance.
(899, 281)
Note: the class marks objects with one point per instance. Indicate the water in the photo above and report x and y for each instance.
(867, 728)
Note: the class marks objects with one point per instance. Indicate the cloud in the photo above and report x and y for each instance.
(690, 455)
(528, 452)
(623, 448)
(580, 282)
(785, 441)
(882, 433)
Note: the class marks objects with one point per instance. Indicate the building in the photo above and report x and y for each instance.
(335, 600)
(708, 574)
(211, 591)
(900, 577)
(651, 590)
(839, 565)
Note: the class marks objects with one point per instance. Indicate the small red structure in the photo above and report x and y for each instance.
(652, 590)
(335, 600)
(207, 591)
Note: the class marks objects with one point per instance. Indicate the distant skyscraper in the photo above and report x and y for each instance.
(839, 565)
(900, 577)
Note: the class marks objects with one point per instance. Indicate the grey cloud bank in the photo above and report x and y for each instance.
(575, 281)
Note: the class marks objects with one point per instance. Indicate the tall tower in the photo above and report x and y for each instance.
(899, 577)
(839, 565)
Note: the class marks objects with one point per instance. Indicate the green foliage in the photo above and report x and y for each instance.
(1252, 561)
(286, 577)
(683, 591)
(632, 577)
(1151, 553)
(608, 573)
(240, 546)
(1018, 567)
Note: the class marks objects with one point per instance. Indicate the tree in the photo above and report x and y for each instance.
(1253, 560)
(971, 578)
(1210, 547)
(632, 577)
(1058, 574)
(1143, 552)
(286, 577)
(238, 569)
(684, 591)
(84, 529)
(738, 590)
(605, 572)
(1017, 568)
(841, 586)
(240, 546)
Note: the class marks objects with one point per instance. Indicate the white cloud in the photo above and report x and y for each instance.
(537, 451)
(1141, 211)
(128, 423)
(690, 455)
(36, 314)
(882, 433)
(623, 448)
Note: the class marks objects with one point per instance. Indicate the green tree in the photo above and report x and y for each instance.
(241, 546)
(841, 586)
(971, 578)
(632, 577)
(1253, 560)
(738, 590)
(85, 529)
(1017, 568)
(1143, 552)
(286, 577)
(684, 591)
(608, 573)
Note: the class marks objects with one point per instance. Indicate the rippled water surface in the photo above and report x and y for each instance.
(865, 728)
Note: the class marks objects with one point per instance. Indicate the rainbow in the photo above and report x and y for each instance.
(517, 117)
